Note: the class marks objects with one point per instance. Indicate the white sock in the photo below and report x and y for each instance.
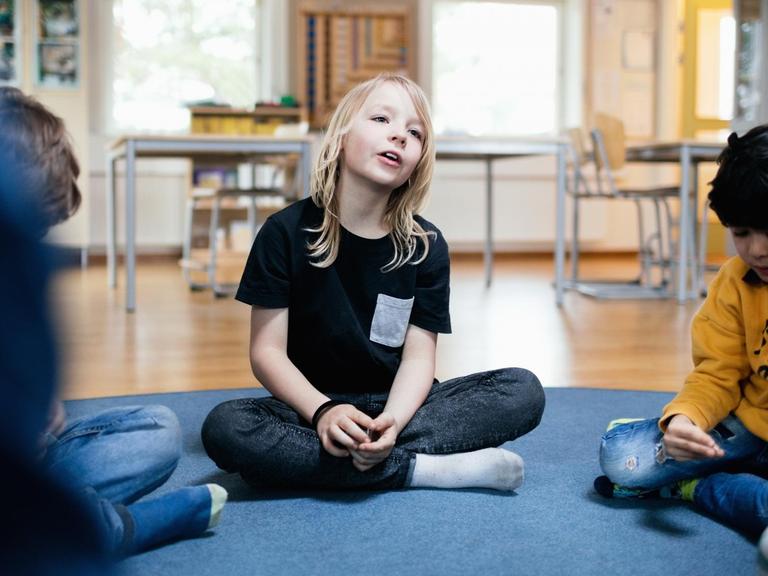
(218, 499)
(493, 468)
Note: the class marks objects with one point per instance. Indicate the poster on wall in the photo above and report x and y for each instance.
(8, 43)
(58, 43)
(58, 19)
(58, 64)
(8, 63)
(7, 19)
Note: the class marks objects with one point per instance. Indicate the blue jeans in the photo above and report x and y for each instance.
(731, 488)
(270, 445)
(113, 458)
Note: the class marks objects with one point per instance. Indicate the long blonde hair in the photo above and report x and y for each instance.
(404, 201)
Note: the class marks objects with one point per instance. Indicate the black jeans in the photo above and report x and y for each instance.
(270, 445)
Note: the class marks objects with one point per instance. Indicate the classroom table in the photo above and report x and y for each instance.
(486, 150)
(688, 153)
(489, 150)
(191, 146)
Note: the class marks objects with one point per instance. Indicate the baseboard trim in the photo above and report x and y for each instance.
(74, 256)
(71, 256)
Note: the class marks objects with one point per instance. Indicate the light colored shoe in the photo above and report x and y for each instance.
(218, 499)
(619, 421)
(762, 554)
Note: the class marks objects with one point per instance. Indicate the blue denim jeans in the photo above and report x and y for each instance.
(270, 445)
(731, 488)
(113, 458)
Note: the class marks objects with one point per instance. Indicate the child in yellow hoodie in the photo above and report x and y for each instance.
(710, 445)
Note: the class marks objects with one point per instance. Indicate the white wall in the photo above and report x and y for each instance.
(72, 106)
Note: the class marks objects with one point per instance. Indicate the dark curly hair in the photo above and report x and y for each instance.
(739, 194)
(36, 142)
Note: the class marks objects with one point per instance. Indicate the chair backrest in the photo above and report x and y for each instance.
(612, 130)
(608, 143)
(576, 139)
(579, 158)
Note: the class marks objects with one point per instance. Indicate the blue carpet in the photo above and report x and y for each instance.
(556, 524)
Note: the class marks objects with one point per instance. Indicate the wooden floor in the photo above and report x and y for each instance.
(179, 340)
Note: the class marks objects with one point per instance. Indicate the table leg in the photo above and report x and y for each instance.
(560, 226)
(306, 168)
(111, 236)
(695, 247)
(130, 226)
(685, 209)
(488, 254)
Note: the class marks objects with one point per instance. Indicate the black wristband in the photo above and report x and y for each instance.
(321, 410)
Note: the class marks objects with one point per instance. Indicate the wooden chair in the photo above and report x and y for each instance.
(594, 176)
(580, 186)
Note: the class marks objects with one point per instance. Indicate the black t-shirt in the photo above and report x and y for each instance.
(347, 322)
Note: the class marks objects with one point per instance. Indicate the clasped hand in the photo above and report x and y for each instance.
(346, 431)
(684, 440)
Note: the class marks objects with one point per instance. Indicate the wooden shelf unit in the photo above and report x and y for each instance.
(218, 174)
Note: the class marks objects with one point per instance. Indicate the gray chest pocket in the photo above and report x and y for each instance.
(390, 320)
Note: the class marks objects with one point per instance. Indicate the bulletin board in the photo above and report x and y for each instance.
(341, 45)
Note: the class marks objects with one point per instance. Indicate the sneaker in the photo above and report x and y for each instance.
(680, 490)
(608, 489)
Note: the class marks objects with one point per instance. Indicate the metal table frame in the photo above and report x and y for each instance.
(488, 150)
(130, 148)
(689, 154)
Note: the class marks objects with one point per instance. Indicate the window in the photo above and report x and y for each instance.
(715, 64)
(496, 67)
(168, 53)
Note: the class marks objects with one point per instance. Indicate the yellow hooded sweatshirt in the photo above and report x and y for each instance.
(730, 354)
